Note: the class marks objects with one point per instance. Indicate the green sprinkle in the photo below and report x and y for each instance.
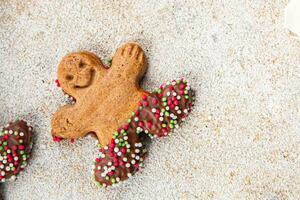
(167, 113)
(164, 125)
(171, 125)
(165, 104)
(186, 96)
(164, 99)
(113, 180)
(129, 120)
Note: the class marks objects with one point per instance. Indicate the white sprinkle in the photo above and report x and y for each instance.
(176, 107)
(178, 111)
(127, 146)
(168, 93)
(125, 159)
(127, 165)
(133, 155)
(7, 168)
(106, 147)
(116, 149)
(174, 94)
(173, 83)
(133, 162)
(136, 119)
(137, 151)
(153, 110)
(167, 108)
(178, 97)
(99, 167)
(116, 140)
(129, 174)
(125, 137)
(109, 163)
(21, 134)
(119, 153)
(10, 132)
(161, 119)
(185, 111)
(118, 179)
(137, 157)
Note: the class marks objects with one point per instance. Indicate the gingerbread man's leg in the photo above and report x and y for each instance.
(77, 72)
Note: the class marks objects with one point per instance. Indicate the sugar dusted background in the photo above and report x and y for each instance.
(242, 140)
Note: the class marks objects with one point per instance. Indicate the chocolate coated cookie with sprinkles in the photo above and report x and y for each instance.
(15, 149)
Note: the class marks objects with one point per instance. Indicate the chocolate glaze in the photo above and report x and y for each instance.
(15, 148)
(158, 113)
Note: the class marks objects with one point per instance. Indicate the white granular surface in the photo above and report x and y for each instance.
(242, 141)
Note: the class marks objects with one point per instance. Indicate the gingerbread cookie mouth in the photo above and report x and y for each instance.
(85, 79)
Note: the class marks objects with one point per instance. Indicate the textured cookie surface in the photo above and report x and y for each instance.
(158, 113)
(15, 149)
(105, 97)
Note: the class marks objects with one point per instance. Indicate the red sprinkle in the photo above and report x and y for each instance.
(57, 83)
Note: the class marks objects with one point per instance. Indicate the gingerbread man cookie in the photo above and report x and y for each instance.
(105, 97)
(110, 103)
(15, 149)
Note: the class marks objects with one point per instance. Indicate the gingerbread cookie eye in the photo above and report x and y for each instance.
(15, 149)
